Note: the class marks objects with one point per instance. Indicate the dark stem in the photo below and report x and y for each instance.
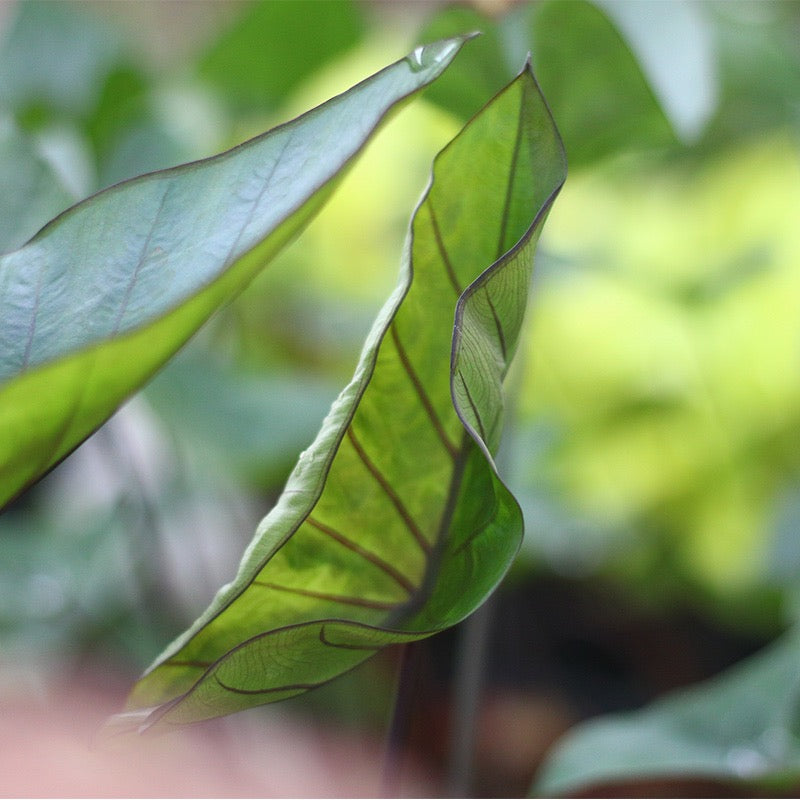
(401, 716)
(467, 688)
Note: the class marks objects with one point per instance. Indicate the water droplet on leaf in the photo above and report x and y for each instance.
(429, 55)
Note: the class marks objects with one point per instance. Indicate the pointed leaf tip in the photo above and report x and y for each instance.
(394, 523)
(110, 289)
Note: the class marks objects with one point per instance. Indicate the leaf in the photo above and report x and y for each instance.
(394, 523)
(683, 78)
(490, 64)
(601, 100)
(742, 725)
(103, 295)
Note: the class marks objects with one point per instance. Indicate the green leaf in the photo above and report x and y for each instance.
(742, 725)
(601, 101)
(683, 78)
(103, 295)
(394, 523)
(487, 66)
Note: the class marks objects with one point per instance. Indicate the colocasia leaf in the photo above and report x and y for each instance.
(394, 523)
(105, 293)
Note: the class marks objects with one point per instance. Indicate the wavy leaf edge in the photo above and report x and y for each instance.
(333, 431)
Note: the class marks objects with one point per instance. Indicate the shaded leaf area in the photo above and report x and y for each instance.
(269, 50)
(23, 174)
(103, 295)
(394, 523)
(601, 100)
(739, 726)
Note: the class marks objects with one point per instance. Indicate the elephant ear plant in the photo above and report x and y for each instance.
(394, 523)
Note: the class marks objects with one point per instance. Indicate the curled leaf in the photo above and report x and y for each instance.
(394, 523)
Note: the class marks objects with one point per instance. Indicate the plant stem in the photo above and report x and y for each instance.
(467, 686)
(401, 716)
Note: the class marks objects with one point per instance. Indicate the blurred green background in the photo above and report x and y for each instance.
(654, 409)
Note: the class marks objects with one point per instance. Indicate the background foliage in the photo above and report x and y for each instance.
(658, 398)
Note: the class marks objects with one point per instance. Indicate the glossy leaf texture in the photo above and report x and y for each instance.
(394, 523)
(739, 726)
(105, 293)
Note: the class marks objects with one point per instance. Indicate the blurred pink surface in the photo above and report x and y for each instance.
(50, 747)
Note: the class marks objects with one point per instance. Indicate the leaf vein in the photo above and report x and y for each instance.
(289, 687)
(123, 306)
(437, 234)
(500, 335)
(324, 639)
(504, 219)
(373, 558)
(334, 598)
(474, 408)
(390, 493)
(422, 394)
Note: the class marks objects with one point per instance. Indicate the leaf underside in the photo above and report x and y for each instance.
(109, 290)
(394, 523)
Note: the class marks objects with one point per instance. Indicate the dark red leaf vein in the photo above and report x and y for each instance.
(373, 558)
(390, 492)
(333, 598)
(324, 639)
(289, 687)
(474, 408)
(437, 234)
(500, 335)
(422, 394)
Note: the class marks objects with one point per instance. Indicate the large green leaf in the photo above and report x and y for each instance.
(394, 523)
(742, 725)
(110, 289)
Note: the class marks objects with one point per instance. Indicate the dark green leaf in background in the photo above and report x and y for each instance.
(599, 96)
(394, 523)
(464, 90)
(108, 291)
(674, 46)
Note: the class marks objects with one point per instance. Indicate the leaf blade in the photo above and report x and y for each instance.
(94, 304)
(368, 539)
